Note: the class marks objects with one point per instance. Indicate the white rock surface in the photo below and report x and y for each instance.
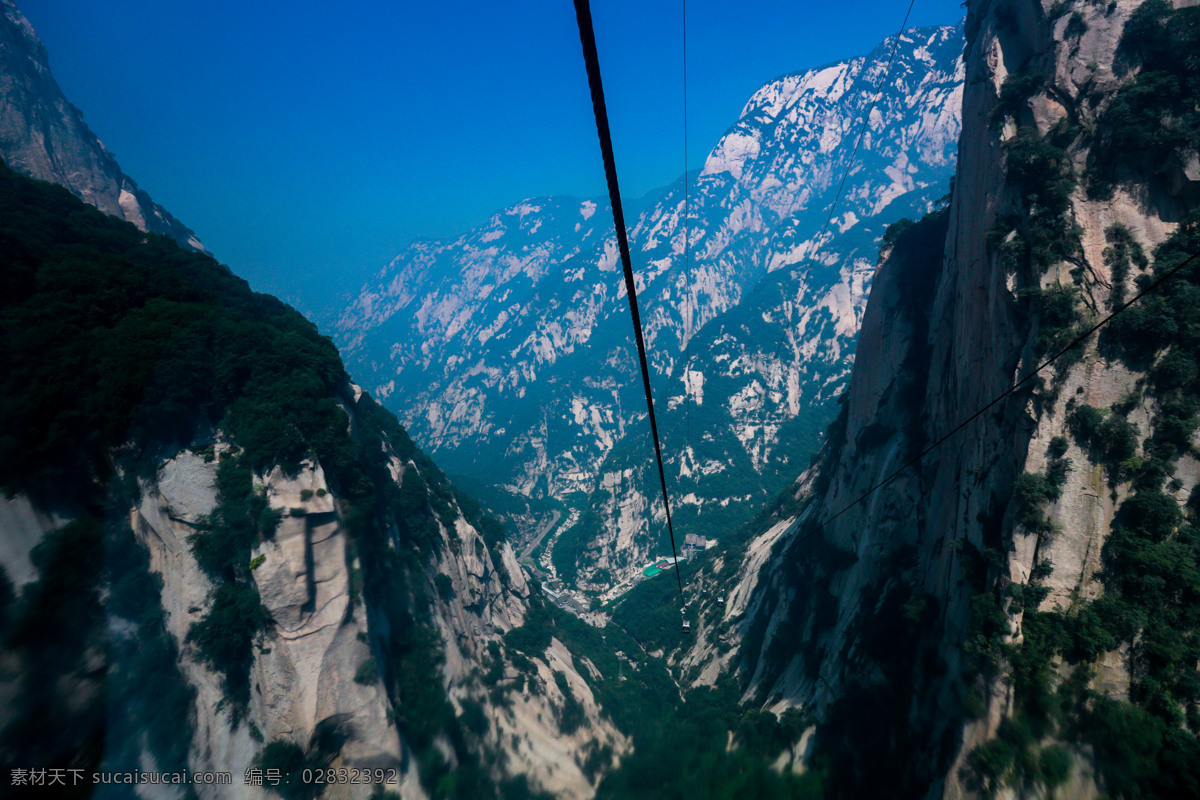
(305, 664)
(21, 527)
(508, 356)
(976, 340)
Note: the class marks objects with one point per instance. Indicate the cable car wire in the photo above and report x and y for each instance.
(820, 526)
(687, 264)
(587, 37)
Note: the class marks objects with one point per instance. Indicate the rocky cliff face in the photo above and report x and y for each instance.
(1003, 617)
(305, 663)
(43, 136)
(218, 554)
(317, 672)
(318, 669)
(508, 349)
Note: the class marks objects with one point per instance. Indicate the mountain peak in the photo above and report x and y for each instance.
(506, 350)
(42, 135)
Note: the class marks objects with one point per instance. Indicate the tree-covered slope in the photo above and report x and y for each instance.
(219, 554)
(116, 337)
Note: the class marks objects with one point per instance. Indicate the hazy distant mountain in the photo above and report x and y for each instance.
(507, 351)
(42, 135)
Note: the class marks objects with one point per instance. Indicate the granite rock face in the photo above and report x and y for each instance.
(308, 674)
(881, 597)
(43, 135)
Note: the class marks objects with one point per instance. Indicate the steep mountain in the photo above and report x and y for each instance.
(225, 571)
(220, 553)
(43, 136)
(217, 554)
(507, 351)
(1016, 614)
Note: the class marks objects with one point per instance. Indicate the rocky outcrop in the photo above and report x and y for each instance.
(486, 596)
(926, 595)
(23, 525)
(43, 136)
(306, 662)
(165, 528)
(232, 560)
(318, 666)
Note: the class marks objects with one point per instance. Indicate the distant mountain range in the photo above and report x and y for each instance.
(218, 555)
(507, 351)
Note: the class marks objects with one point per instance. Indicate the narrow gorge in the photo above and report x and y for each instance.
(220, 554)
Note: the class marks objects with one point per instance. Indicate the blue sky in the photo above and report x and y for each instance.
(307, 144)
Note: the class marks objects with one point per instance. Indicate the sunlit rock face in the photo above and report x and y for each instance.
(925, 624)
(308, 674)
(221, 610)
(42, 135)
(308, 664)
(508, 351)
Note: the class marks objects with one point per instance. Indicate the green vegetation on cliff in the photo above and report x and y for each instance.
(118, 339)
(1154, 116)
(1149, 614)
(121, 348)
(680, 738)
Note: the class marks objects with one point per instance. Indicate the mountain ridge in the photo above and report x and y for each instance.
(543, 383)
(221, 555)
(44, 136)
